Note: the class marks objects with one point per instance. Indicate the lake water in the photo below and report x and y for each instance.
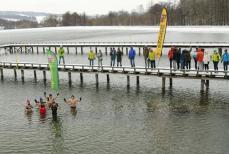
(112, 118)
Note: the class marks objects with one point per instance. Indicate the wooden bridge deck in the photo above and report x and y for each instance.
(120, 44)
(160, 72)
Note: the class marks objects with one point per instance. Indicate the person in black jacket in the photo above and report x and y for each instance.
(176, 58)
(119, 57)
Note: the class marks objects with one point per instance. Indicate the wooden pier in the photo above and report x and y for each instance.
(105, 46)
(164, 73)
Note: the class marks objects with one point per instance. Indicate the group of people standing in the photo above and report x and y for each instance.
(179, 59)
(115, 56)
(50, 103)
(201, 57)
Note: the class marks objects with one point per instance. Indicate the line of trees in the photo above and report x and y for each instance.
(180, 12)
(185, 12)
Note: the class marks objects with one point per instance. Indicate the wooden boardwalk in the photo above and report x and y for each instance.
(104, 46)
(160, 71)
(164, 73)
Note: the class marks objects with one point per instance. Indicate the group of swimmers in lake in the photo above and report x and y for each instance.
(50, 103)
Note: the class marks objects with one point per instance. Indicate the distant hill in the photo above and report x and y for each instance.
(17, 16)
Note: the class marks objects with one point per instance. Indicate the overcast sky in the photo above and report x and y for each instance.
(90, 7)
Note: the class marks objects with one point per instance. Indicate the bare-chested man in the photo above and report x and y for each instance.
(50, 99)
(73, 101)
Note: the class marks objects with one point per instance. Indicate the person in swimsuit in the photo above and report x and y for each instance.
(50, 99)
(73, 101)
(42, 109)
(54, 107)
(28, 107)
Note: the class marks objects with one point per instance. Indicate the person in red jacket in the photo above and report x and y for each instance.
(170, 56)
(200, 58)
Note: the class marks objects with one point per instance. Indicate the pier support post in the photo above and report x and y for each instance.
(14, 49)
(81, 50)
(55, 50)
(32, 50)
(163, 83)
(76, 50)
(15, 74)
(170, 82)
(137, 80)
(207, 84)
(128, 81)
(81, 77)
(126, 50)
(21, 50)
(2, 77)
(106, 51)
(108, 78)
(69, 78)
(22, 75)
(43, 50)
(35, 75)
(96, 50)
(139, 51)
(97, 79)
(202, 85)
(44, 76)
(37, 50)
(68, 50)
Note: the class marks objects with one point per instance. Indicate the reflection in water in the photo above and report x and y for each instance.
(57, 134)
(42, 118)
(29, 116)
(74, 111)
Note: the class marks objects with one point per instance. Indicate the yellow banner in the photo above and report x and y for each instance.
(161, 37)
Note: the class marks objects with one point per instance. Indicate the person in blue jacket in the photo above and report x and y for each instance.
(132, 54)
(225, 60)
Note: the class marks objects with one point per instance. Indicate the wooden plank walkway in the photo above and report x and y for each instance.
(120, 44)
(160, 72)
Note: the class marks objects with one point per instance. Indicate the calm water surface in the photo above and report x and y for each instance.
(111, 117)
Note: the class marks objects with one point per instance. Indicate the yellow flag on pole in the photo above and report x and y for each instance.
(162, 32)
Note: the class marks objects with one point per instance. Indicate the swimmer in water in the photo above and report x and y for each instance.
(42, 109)
(28, 107)
(50, 99)
(54, 107)
(73, 101)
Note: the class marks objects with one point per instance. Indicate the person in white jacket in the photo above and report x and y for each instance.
(206, 60)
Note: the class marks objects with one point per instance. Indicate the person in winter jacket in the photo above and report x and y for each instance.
(194, 57)
(200, 58)
(225, 60)
(152, 58)
(170, 56)
(100, 58)
(91, 57)
(206, 60)
(113, 56)
(176, 58)
(119, 57)
(61, 54)
(187, 58)
(146, 55)
(132, 54)
(215, 59)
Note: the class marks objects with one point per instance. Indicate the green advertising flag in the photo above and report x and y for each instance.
(53, 65)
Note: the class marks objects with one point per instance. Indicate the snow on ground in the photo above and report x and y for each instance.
(189, 29)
